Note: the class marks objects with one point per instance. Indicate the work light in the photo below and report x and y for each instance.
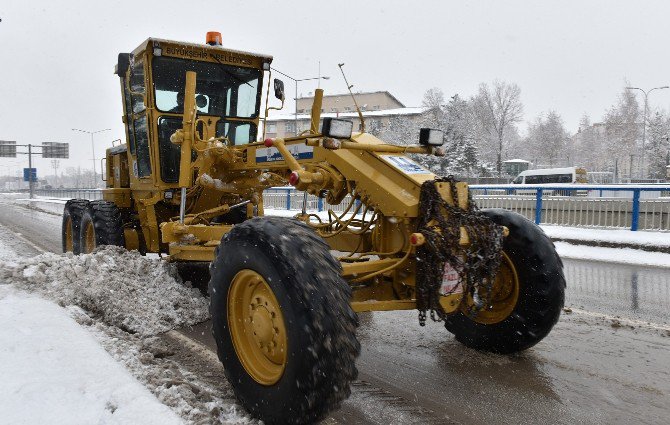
(431, 137)
(337, 128)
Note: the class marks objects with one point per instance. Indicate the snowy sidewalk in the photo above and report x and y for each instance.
(612, 238)
(55, 372)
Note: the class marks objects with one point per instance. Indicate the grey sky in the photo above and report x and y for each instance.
(571, 56)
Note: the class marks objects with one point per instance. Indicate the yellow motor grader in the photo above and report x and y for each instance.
(189, 183)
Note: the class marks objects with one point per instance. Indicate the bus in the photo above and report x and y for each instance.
(552, 175)
(567, 175)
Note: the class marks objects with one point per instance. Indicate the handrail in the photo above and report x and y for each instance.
(551, 186)
(541, 188)
(639, 207)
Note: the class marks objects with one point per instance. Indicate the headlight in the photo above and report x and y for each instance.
(431, 137)
(337, 128)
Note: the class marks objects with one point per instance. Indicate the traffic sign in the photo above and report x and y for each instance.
(55, 150)
(7, 149)
(29, 174)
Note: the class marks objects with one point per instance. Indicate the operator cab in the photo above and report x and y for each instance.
(228, 97)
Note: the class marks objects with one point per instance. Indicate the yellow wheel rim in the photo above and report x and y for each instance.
(504, 296)
(89, 238)
(257, 327)
(69, 246)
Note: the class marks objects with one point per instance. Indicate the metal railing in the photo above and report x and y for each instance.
(638, 207)
(90, 194)
(618, 286)
(284, 198)
(287, 198)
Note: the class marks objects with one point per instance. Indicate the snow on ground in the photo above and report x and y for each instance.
(125, 302)
(612, 255)
(44, 204)
(623, 236)
(152, 361)
(55, 372)
(45, 199)
(127, 290)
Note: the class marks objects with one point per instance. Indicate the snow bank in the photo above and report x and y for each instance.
(612, 255)
(55, 372)
(622, 236)
(137, 294)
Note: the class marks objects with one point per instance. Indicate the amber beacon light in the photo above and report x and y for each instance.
(214, 38)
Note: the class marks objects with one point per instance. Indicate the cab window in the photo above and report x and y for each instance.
(239, 133)
(221, 90)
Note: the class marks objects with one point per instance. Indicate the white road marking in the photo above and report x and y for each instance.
(24, 239)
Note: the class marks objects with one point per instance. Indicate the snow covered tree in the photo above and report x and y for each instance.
(657, 149)
(584, 142)
(547, 140)
(401, 130)
(496, 110)
(433, 99)
(623, 128)
(461, 156)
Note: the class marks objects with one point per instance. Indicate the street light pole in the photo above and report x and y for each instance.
(644, 123)
(296, 81)
(95, 173)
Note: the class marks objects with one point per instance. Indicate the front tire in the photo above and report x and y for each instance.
(531, 297)
(282, 321)
(101, 224)
(70, 229)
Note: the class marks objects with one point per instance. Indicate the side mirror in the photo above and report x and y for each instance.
(122, 64)
(136, 76)
(279, 89)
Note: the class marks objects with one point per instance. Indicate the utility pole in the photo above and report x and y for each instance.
(296, 81)
(55, 163)
(644, 123)
(95, 173)
(30, 170)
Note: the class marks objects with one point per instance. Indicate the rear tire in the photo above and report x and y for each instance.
(72, 213)
(541, 291)
(284, 265)
(101, 224)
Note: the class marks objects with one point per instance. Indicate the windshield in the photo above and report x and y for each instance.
(221, 90)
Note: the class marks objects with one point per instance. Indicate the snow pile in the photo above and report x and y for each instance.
(612, 255)
(179, 377)
(55, 372)
(620, 236)
(135, 293)
(207, 181)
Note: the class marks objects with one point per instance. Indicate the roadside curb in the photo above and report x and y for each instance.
(605, 244)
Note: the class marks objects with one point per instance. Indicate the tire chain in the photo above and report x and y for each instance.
(476, 264)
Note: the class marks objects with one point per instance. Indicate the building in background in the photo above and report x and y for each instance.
(378, 109)
(340, 103)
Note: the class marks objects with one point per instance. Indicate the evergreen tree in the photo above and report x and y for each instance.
(657, 146)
